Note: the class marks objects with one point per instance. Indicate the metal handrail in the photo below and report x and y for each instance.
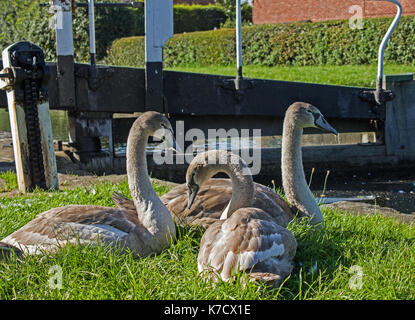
(383, 46)
(91, 17)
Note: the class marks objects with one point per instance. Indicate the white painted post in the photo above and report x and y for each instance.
(65, 51)
(48, 149)
(158, 29)
(19, 133)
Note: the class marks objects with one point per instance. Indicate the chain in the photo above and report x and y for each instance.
(31, 96)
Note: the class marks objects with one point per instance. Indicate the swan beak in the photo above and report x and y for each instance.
(324, 125)
(192, 193)
(171, 141)
(176, 146)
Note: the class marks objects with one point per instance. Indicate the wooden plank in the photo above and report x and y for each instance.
(20, 143)
(203, 94)
(120, 90)
(400, 117)
(48, 150)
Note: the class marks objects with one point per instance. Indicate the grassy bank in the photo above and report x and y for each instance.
(347, 75)
(352, 257)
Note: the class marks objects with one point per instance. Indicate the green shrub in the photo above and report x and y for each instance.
(331, 42)
(197, 18)
(26, 20)
(229, 7)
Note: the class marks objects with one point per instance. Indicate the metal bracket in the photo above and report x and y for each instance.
(377, 98)
(95, 76)
(237, 86)
(27, 63)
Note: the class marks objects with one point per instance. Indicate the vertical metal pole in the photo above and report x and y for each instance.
(239, 38)
(91, 15)
(92, 48)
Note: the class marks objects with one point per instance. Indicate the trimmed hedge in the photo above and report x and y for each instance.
(332, 42)
(197, 18)
(25, 20)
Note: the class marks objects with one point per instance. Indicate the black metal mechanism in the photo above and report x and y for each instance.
(378, 98)
(28, 77)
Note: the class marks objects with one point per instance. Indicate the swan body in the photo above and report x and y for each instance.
(246, 238)
(145, 230)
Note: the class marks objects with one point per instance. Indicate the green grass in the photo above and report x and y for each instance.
(382, 249)
(347, 75)
(8, 181)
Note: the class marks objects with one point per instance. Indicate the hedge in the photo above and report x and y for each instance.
(332, 42)
(26, 20)
(197, 18)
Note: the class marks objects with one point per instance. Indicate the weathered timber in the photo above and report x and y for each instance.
(400, 117)
(202, 94)
(122, 90)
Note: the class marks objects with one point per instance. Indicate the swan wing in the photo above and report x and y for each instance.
(272, 203)
(249, 240)
(123, 202)
(73, 224)
(211, 200)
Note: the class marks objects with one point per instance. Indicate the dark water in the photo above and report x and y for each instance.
(59, 121)
(388, 188)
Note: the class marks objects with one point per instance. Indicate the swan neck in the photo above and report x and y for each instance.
(150, 210)
(242, 189)
(293, 178)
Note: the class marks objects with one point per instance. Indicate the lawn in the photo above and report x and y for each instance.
(347, 75)
(352, 257)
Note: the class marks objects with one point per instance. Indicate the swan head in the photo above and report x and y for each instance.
(306, 115)
(157, 125)
(204, 166)
(207, 164)
(198, 172)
